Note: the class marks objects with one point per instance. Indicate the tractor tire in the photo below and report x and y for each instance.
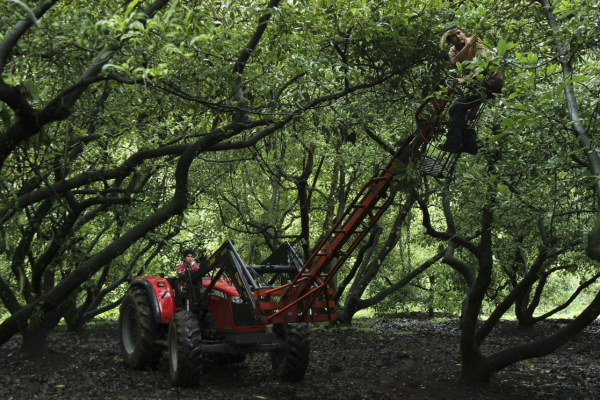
(185, 349)
(291, 363)
(138, 330)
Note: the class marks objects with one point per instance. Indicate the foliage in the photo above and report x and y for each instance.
(131, 131)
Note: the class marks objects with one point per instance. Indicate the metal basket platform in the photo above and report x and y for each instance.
(432, 124)
(436, 162)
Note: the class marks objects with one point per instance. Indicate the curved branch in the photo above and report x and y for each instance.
(251, 46)
(94, 176)
(31, 122)
(364, 303)
(52, 299)
(97, 311)
(447, 236)
(546, 345)
(11, 39)
(508, 301)
(378, 140)
(575, 294)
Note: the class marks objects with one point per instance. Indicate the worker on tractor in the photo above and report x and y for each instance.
(188, 262)
(459, 139)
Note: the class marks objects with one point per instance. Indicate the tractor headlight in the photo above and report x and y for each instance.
(236, 299)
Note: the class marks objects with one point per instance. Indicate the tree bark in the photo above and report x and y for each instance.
(593, 250)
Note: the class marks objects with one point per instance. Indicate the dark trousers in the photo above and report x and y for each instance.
(458, 114)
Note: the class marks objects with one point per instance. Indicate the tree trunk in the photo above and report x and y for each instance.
(74, 319)
(431, 297)
(523, 314)
(475, 370)
(470, 352)
(350, 308)
(593, 250)
(34, 345)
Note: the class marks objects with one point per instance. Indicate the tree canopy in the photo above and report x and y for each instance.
(134, 130)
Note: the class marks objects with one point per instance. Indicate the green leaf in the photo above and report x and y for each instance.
(503, 47)
(561, 88)
(200, 38)
(551, 68)
(170, 49)
(131, 6)
(532, 58)
(5, 115)
(498, 137)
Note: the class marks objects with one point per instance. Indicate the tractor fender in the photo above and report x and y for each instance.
(160, 294)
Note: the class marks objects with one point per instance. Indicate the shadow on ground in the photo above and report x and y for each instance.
(406, 356)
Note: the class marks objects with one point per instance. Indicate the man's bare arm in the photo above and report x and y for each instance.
(462, 54)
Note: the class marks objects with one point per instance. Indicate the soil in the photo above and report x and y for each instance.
(405, 356)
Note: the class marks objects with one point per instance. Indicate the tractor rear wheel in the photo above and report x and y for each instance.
(138, 330)
(290, 364)
(185, 350)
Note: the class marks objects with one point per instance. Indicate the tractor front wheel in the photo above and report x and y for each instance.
(138, 330)
(185, 349)
(290, 364)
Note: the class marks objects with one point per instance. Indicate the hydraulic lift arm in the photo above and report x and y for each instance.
(306, 294)
(226, 261)
(307, 297)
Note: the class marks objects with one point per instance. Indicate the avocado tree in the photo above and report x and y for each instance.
(533, 191)
(109, 109)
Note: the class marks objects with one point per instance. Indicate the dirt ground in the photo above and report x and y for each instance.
(399, 357)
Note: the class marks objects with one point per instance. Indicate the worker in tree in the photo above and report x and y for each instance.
(188, 262)
(459, 139)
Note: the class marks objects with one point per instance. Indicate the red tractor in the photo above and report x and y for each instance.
(212, 312)
(227, 309)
